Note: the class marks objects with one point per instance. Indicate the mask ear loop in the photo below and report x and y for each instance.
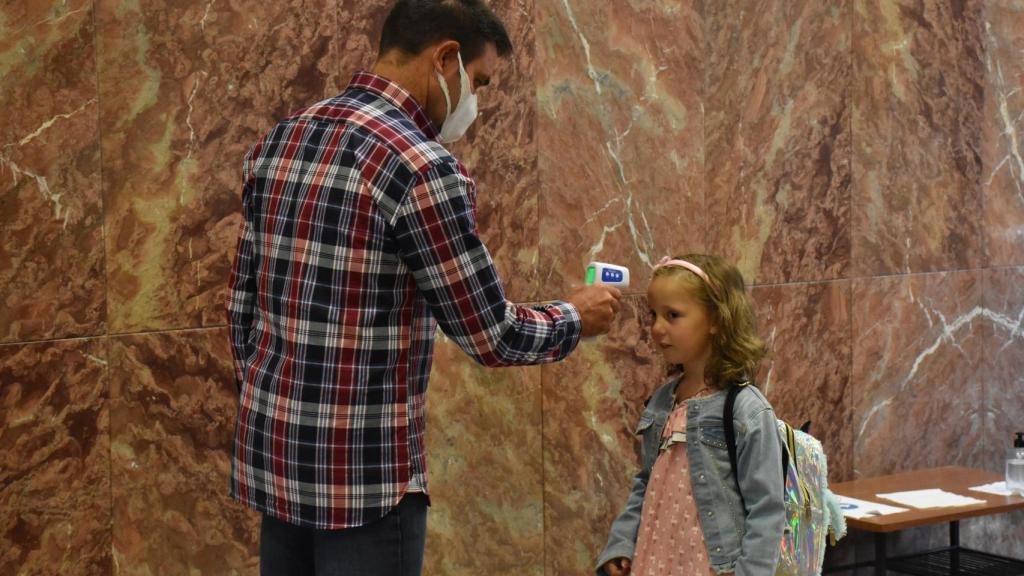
(444, 90)
(447, 97)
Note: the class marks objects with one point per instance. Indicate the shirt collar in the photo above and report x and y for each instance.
(397, 96)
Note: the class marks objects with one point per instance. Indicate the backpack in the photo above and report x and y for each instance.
(812, 511)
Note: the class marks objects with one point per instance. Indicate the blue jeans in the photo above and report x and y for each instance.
(391, 546)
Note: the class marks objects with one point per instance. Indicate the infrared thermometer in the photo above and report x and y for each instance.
(607, 274)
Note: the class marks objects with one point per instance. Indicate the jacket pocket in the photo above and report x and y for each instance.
(712, 433)
(649, 428)
(645, 422)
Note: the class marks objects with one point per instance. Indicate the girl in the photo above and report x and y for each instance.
(688, 514)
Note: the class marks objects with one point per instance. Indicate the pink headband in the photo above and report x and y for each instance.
(666, 261)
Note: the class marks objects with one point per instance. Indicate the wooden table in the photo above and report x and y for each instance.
(950, 560)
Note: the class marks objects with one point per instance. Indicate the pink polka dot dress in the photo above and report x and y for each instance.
(670, 541)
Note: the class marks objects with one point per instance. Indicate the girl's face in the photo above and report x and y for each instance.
(682, 327)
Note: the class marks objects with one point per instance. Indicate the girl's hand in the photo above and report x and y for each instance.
(617, 567)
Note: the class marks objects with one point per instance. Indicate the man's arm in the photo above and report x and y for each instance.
(435, 230)
(242, 282)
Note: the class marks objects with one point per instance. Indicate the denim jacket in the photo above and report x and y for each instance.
(743, 536)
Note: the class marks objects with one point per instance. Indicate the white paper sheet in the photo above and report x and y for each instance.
(854, 508)
(930, 498)
(997, 488)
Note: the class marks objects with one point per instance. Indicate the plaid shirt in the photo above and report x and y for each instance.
(359, 231)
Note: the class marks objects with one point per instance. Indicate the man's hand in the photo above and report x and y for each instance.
(597, 306)
(617, 567)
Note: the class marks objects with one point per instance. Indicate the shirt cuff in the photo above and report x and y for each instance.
(568, 318)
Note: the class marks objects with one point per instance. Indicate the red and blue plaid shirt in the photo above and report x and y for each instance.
(359, 231)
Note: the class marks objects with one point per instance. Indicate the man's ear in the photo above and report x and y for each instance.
(445, 56)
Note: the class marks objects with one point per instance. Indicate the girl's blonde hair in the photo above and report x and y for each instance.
(736, 349)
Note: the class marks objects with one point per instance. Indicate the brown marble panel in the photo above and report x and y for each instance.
(172, 412)
(1003, 132)
(1004, 402)
(51, 212)
(918, 95)
(484, 463)
(807, 373)
(185, 89)
(592, 402)
(1004, 356)
(918, 372)
(619, 135)
(500, 151)
(999, 534)
(55, 464)
(778, 142)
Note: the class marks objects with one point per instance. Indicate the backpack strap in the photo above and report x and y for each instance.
(730, 435)
(790, 449)
(730, 440)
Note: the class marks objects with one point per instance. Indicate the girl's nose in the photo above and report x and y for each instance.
(657, 329)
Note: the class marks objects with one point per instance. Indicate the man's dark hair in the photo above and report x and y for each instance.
(413, 25)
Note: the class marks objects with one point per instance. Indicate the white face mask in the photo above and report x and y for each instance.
(456, 123)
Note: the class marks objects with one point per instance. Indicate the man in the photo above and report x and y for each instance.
(359, 237)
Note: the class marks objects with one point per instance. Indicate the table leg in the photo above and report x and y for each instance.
(880, 554)
(954, 544)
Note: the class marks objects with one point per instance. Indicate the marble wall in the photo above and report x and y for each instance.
(862, 162)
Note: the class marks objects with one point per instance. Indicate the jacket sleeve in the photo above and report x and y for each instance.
(622, 537)
(759, 459)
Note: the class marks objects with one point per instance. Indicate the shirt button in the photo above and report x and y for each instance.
(710, 513)
(701, 476)
(718, 548)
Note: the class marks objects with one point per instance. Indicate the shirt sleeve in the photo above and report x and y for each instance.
(435, 230)
(242, 281)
